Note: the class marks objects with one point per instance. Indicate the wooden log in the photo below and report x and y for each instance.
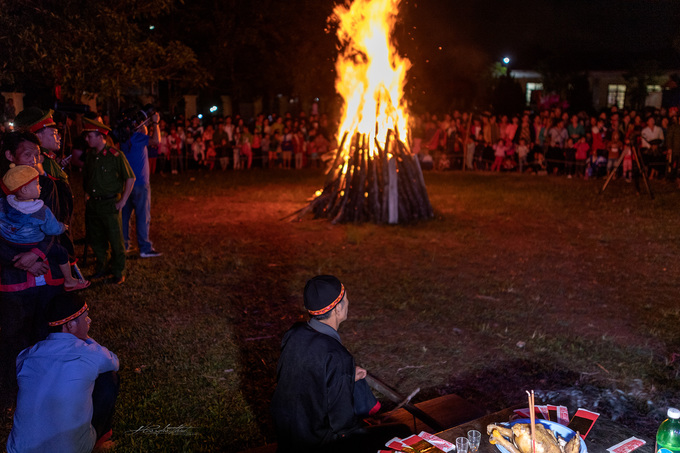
(374, 187)
(374, 192)
(412, 169)
(385, 215)
(393, 191)
(338, 157)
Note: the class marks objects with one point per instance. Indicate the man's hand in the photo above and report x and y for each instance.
(39, 268)
(25, 261)
(120, 204)
(359, 373)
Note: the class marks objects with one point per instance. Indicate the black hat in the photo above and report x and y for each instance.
(322, 294)
(64, 308)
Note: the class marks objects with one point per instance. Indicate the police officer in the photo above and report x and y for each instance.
(108, 181)
(56, 192)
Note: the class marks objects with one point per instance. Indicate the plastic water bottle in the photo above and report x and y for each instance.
(668, 437)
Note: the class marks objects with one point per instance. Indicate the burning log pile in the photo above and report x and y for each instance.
(374, 176)
(382, 183)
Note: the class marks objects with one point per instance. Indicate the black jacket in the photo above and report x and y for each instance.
(313, 404)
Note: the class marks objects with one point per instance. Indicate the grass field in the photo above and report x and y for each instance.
(520, 282)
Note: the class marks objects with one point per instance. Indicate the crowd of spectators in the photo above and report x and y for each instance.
(553, 142)
(222, 143)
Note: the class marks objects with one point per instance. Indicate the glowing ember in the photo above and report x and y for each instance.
(371, 74)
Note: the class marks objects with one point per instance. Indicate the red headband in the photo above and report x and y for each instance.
(69, 318)
(332, 304)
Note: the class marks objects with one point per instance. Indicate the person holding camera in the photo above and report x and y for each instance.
(135, 148)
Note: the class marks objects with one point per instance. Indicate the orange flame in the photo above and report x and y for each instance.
(371, 74)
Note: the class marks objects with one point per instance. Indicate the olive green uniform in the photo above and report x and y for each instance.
(59, 199)
(51, 166)
(105, 174)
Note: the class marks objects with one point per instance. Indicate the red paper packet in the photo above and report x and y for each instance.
(583, 421)
(627, 445)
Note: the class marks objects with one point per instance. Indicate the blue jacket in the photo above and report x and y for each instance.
(20, 228)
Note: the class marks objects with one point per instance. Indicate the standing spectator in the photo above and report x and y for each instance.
(627, 160)
(673, 143)
(651, 140)
(522, 154)
(27, 280)
(56, 193)
(582, 149)
(25, 220)
(555, 155)
(210, 155)
(500, 149)
(614, 147)
(511, 130)
(525, 131)
(246, 145)
(471, 145)
(108, 181)
(576, 129)
(198, 151)
(194, 131)
(163, 149)
(256, 147)
(139, 201)
(598, 134)
(175, 148)
(298, 148)
(220, 139)
(320, 148)
(287, 148)
(265, 145)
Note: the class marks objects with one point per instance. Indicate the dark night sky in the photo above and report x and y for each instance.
(523, 29)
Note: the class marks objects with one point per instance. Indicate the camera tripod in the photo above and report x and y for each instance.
(641, 170)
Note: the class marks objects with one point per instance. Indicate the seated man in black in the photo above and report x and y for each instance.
(314, 406)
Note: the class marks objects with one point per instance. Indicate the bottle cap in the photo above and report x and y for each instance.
(673, 413)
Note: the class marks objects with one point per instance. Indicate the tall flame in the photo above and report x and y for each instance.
(371, 74)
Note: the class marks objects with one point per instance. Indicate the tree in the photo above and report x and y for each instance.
(89, 47)
(260, 47)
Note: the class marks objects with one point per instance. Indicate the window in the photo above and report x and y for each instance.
(531, 87)
(653, 88)
(616, 94)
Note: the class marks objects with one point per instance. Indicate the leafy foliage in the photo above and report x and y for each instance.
(90, 47)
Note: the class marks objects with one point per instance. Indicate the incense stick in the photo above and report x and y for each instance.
(532, 417)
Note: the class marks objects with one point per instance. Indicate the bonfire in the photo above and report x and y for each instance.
(374, 176)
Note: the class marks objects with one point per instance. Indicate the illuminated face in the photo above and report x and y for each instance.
(343, 309)
(80, 326)
(30, 191)
(49, 138)
(95, 140)
(26, 154)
